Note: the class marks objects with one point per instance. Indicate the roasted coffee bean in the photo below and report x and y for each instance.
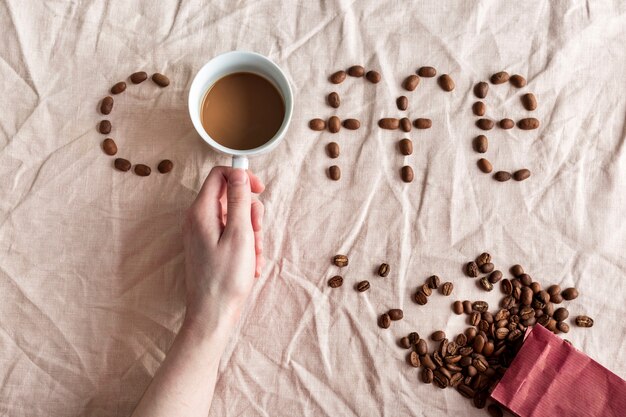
(525, 279)
(526, 296)
(356, 71)
(488, 349)
(517, 81)
(456, 378)
(495, 276)
(551, 325)
(122, 164)
(457, 307)
(526, 312)
(529, 123)
(317, 124)
(427, 361)
(438, 336)
(554, 289)
(383, 270)
(485, 284)
(563, 327)
(109, 147)
(543, 319)
(556, 298)
(138, 77)
(335, 282)
(443, 348)
(405, 343)
(471, 269)
(340, 260)
(440, 380)
(421, 347)
(389, 123)
(334, 172)
(333, 100)
(507, 123)
(427, 376)
(422, 123)
(446, 83)
(481, 89)
(351, 124)
(105, 127)
(466, 391)
(493, 409)
(402, 102)
(514, 335)
(486, 268)
(480, 399)
(541, 295)
(481, 144)
(506, 286)
(470, 333)
(338, 77)
(549, 308)
(414, 359)
(142, 170)
(414, 338)
(521, 175)
(406, 173)
(437, 358)
(160, 79)
(484, 165)
(499, 77)
(584, 321)
(406, 146)
(420, 298)
(446, 288)
(502, 333)
(467, 307)
(529, 101)
(405, 124)
(570, 293)
(107, 105)
(363, 286)
(373, 76)
(334, 124)
(480, 306)
(479, 108)
(517, 270)
(507, 301)
(118, 88)
(384, 321)
(485, 124)
(451, 351)
(483, 326)
(427, 72)
(165, 166)
(502, 176)
(474, 318)
(426, 290)
(482, 259)
(410, 83)
(395, 314)
(332, 149)
(461, 340)
(478, 346)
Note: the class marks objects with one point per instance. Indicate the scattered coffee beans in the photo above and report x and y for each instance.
(446, 83)
(373, 77)
(356, 71)
(406, 173)
(570, 293)
(529, 123)
(529, 101)
(105, 127)
(410, 83)
(471, 269)
(422, 123)
(479, 108)
(389, 123)
(160, 79)
(109, 147)
(334, 124)
(517, 81)
(383, 270)
(405, 124)
(317, 124)
(521, 174)
(338, 77)
(402, 102)
(484, 165)
(499, 77)
(142, 170)
(482, 259)
(502, 176)
(165, 166)
(335, 282)
(107, 105)
(395, 314)
(118, 88)
(340, 260)
(138, 77)
(122, 164)
(333, 100)
(351, 124)
(507, 123)
(485, 124)
(406, 146)
(334, 172)
(427, 72)
(481, 89)
(446, 288)
(384, 321)
(363, 286)
(584, 321)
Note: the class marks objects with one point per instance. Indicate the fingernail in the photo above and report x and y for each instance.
(237, 177)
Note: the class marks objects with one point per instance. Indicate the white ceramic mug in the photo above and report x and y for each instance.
(228, 63)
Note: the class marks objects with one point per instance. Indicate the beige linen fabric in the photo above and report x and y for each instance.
(91, 263)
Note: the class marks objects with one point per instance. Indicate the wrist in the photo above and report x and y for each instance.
(210, 323)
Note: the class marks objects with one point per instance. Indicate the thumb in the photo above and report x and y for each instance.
(239, 199)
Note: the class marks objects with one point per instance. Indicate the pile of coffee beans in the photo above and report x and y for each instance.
(109, 146)
(479, 109)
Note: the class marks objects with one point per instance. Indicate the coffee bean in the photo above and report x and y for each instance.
(506, 286)
(107, 105)
(570, 293)
(395, 314)
(389, 123)
(484, 165)
(334, 124)
(422, 123)
(528, 123)
(471, 334)
(517, 81)
(480, 306)
(351, 124)
(335, 282)
(457, 307)
(413, 359)
(109, 146)
(334, 172)
(480, 399)
(495, 276)
(517, 270)
(118, 88)
(138, 77)
(384, 321)
(160, 79)
(406, 173)
(493, 409)
(165, 166)
(479, 108)
(414, 338)
(105, 127)
(446, 288)
(142, 170)
(521, 175)
(481, 144)
(499, 77)
(485, 124)
(481, 89)
(471, 269)
(332, 149)
(456, 378)
(487, 268)
(501, 333)
(525, 279)
(478, 346)
(551, 325)
(560, 314)
(438, 335)
(333, 100)
(529, 101)
(502, 176)
(526, 296)
(440, 380)
(482, 259)
(363, 286)
(317, 124)
(405, 124)
(556, 298)
(427, 72)
(420, 298)
(356, 71)
(562, 327)
(410, 83)
(467, 307)
(373, 77)
(402, 102)
(433, 282)
(541, 295)
(485, 284)
(340, 260)
(405, 343)
(383, 270)
(426, 290)
(507, 123)
(554, 289)
(446, 83)
(338, 77)
(406, 146)
(421, 347)
(526, 312)
(461, 340)
(427, 376)
(488, 349)
(122, 164)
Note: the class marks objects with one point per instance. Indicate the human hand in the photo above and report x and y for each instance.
(222, 236)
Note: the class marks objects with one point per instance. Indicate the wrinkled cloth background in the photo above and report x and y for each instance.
(91, 263)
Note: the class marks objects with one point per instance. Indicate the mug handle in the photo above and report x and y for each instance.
(240, 162)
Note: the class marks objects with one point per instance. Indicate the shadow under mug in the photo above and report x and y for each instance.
(232, 62)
